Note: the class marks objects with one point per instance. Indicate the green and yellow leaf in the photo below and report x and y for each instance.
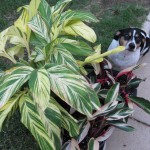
(13, 83)
(78, 28)
(8, 109)
(32, 121)
(73, 89)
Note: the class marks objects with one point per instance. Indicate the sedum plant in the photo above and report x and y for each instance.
(43, 44)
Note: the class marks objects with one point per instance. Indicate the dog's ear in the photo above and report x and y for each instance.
(117, 35)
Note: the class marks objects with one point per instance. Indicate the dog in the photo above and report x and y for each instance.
(136, 42)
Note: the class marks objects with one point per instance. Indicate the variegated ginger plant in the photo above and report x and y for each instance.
(49, 35)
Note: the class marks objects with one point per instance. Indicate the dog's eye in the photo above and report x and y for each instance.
(138, 40)
(127, 36)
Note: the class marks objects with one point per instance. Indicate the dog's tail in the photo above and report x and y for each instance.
(146, 25)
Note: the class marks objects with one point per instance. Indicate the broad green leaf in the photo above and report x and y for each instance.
(73, 89)
(119, 114)
(121, 125)
(78, 28)
(77, 15)
(79, 49)
(8, 109)
(93, 144)
(38, 26)
(39, 84)
(112, 93)
(37, 41)
(141, 102)
(67, 121)
(50, 115)
(52, 122)
(134, 83)
(59, 7)
(13, 83)
(32, 121)
(96, 57)
(45, 12)
(61, 56)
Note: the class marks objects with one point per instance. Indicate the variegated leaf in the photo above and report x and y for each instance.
(119, 114)
(32, 121)
(121, 125)
(71, 145)
(45, 12)
(93, 144)
(78, 15)
(38, 26)
(112, 93)
(61, 56)
(78, 28)
(84, 131)
(39, 84)
(8, 109)
(67, 121)
(73, 89)
(13, 82)
(59, 7)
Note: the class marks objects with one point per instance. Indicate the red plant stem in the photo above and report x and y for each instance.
(100, 128)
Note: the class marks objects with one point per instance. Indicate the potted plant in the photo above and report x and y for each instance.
(59, 102)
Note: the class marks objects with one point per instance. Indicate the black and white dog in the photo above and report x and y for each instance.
(136, 42)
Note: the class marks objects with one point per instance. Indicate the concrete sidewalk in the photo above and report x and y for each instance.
(140, 138)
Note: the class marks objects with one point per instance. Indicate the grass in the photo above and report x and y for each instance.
(14, 135)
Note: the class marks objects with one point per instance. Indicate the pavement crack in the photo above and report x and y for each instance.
(144, 123)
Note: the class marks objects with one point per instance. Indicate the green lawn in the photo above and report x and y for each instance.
(14, 135)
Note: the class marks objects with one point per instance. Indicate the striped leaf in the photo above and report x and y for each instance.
(73, 89)
(38, 26)
(67, 121)
(78, 48)
(8, 109)
(78, 15)
(59, 7)
(93, 144)
(61, 56)
(121, 125)
(45, 12)
(78, 28)
(50, 115)
(32, 121)
(112, 93)
(119, 114)
(141, 102)
(40, 87)
(13, 82)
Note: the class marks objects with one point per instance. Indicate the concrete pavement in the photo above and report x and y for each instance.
(140, 138)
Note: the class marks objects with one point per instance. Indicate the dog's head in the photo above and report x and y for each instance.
(132, 38)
